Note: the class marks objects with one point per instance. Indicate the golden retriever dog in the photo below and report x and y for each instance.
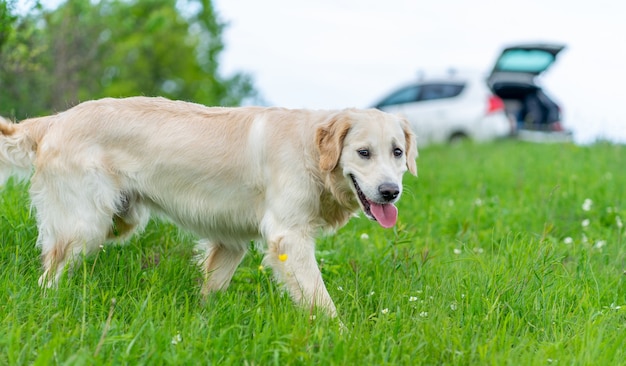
(229, 175)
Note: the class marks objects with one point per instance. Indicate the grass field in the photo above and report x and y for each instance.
(505, 254)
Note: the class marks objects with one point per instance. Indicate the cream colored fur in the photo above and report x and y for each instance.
(229, 175)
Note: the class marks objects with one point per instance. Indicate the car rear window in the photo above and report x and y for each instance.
(520, 60)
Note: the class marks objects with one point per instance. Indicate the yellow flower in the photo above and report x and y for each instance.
(282, 257)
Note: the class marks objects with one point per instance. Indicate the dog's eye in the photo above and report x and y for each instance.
(365, 153)
(397, 152)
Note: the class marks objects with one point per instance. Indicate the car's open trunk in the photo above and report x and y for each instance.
(528, 105)
(513, 80)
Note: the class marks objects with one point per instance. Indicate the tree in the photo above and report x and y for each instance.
(23, 78)
(6, 21)
(85, 50)
(74, 52)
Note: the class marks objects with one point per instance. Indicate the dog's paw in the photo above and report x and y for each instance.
(46, 281)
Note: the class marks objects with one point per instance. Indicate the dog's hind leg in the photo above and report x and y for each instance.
(218, 263)
(74, 213)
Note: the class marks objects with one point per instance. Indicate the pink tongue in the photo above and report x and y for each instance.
(386, 214)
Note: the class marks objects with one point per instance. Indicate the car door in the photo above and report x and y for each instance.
(427, 107)
(439, 107)
(404, 102)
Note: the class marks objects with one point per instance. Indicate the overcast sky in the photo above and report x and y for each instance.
(349, 53)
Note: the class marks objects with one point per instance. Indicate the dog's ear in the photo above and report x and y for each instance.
(411, 147)
(329, 140)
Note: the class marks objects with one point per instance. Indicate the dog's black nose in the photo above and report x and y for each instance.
(389, 191)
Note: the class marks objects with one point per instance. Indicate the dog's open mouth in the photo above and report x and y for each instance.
(385, 213)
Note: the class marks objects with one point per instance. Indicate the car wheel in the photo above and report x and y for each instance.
(457, 138)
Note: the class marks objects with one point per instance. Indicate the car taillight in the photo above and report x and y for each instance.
(557, 126)
(494, 104)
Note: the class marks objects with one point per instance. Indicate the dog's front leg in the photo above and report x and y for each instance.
(292, 258)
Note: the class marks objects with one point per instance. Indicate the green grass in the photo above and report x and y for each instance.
(490, 265)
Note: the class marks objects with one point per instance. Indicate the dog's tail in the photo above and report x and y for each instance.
(18, 146)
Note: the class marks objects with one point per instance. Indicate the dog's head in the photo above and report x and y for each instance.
(371, 150)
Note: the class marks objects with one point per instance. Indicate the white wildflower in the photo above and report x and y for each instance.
(412, 298)
(385, 311)
(457, 251)
(177, 339)
(478, 202)
(453, 306)
(618, 221)
(424, 314)
(568, 240)
(599, 244)
(364, 236)
(585, 222)
(587, 204)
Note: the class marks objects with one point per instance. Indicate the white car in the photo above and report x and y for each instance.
(450, 108)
